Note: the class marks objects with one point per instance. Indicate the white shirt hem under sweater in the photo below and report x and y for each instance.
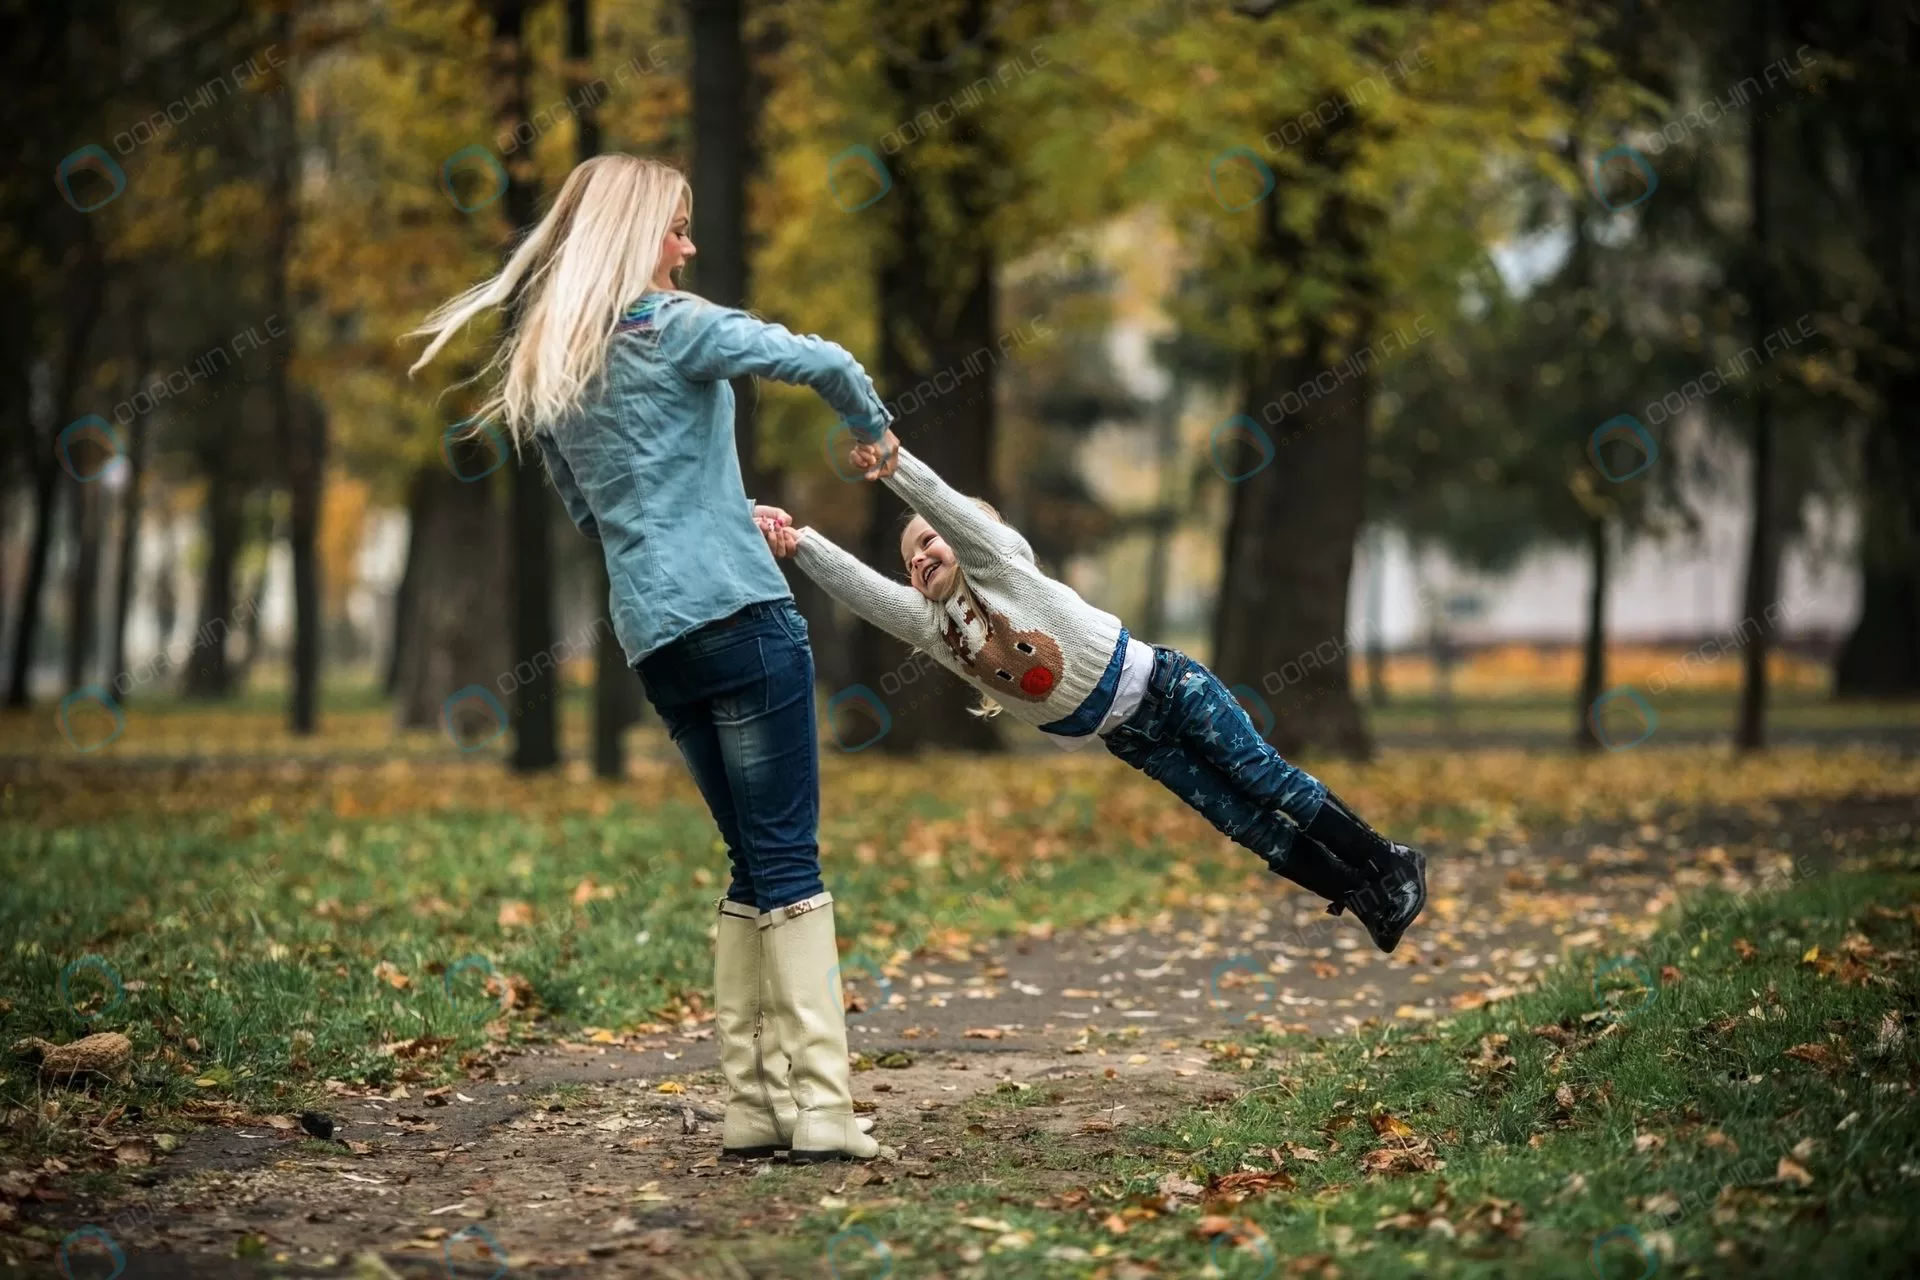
(1136, 669)
(1029, 642)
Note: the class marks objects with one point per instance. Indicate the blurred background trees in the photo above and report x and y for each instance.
(1297, 274)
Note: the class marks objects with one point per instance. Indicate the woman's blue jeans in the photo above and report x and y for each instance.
(737, 698)
(1193, 737)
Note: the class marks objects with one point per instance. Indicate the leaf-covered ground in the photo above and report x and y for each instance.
(1102, 1040)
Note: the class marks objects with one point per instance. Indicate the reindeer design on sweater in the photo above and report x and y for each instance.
(1016, 664)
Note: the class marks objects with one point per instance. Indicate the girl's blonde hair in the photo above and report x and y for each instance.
(988, 707)
(592, 255)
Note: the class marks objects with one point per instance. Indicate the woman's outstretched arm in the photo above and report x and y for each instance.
(709, 342)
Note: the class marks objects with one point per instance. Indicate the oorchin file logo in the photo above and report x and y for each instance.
(91, 1253)
(1226, 447)
(1630, 994)
(473, 160)
(1616, 163)
(460, 450)
(470, 985)
(471, 1253)
(85, 976)
(838, 446)
(857, 177)
(1622, 429)
(1240, 978)
(96, 431)
(92, 158)
(1644, 1256)
(79, 717)
(1239, 179)
(1241, 1257)
(837, 978)
(473, 718)
(1255, 706)
(1613, 727)
(855, 1253)
(847, 708)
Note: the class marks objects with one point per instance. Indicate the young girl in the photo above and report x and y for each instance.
(1035, 649)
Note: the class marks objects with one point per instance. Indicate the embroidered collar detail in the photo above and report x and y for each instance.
(641, 314)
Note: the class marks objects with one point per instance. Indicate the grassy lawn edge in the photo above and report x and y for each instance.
(1735, 1097)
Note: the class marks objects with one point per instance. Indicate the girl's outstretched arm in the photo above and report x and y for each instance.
(981, 543)
(709, 342)
(894, 607)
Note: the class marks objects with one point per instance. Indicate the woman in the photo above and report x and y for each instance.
(621, 380)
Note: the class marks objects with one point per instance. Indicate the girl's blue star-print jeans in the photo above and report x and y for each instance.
(1192, 736)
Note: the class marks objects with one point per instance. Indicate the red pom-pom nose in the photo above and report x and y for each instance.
(1037, 681)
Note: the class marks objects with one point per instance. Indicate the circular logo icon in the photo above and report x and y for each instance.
(1242, 1257)
(91, 1242)
(855, 1253)
(89, 979)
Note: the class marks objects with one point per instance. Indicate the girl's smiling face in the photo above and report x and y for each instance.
(929, 560)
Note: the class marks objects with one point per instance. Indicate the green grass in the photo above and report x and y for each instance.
(1631, 1131)
(252, 963)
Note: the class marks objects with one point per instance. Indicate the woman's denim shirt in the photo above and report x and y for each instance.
(647, 465)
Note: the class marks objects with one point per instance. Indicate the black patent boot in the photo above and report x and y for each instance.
(1392, 888)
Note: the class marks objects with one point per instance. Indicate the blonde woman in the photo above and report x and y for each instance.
(620, 379)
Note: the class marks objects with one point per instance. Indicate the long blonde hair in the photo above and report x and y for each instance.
(592, 255)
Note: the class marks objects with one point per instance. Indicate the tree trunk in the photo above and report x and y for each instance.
(536, 711)
(1763, 542)
(86, 300)
(404, 590)
(166, 588)
(953, 434)
(1593, 668)
(1881, 657)
(1166, 516)
(616, 691)
(252, 592)
(128, 559)
(85, 511)
(1376, 623)
(307, 448)
(300, 426)
(1289, 546)
(209, 674)
(937, 314)
(131, 504)
(455, 624)
(723, 156)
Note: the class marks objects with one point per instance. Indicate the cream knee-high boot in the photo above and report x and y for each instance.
(808, 1016)
(760, 1112)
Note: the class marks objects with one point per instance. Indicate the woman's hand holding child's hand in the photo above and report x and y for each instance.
(777, 527)
(878, 460)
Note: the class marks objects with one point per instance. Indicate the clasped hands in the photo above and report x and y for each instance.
(876, 462)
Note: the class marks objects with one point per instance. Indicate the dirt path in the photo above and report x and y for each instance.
(570, 1157)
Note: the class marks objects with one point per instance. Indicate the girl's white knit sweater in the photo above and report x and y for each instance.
(1012, 632)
